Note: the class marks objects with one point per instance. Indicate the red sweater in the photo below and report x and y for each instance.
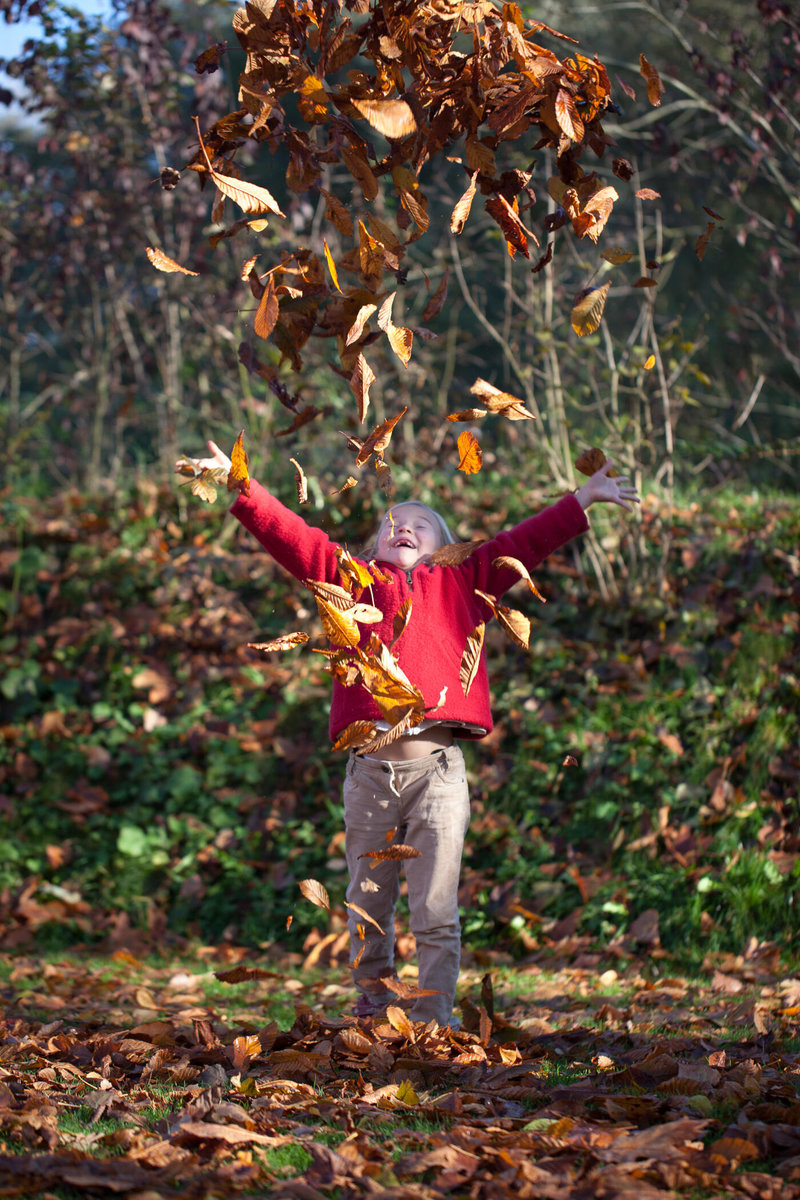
(444, 607)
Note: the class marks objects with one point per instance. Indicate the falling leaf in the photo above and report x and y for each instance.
(401, 619)
(458, 218)
(163, 263)
(392, 118)
(468, 414)
(514, 564)
(400, 339)
(268, 310)
(587, 311)
(512, 622)
(315, 892)
(649, 362)
(470, 659)
(702, 242)
(300, 482)
(363, 913)
(355, 735)
(361, 381)
(457, 553)
(340, 627)
(238, 476)
(331, 265)
(655, 87)
(590, 461)
(332, 593)
(645, 282)
(285, 642)
(436, 302)
(205, 484)
(713, 214)
(379, 439)
(497, 401)
(350, 482)
(570, 761)
(250, 198)
(208, 62)
(357, 328)
(648, 194)
(616, 255)
(361, 171)
(392, 853)
(470, 455)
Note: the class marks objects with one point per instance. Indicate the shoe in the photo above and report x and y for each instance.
(365, 1006)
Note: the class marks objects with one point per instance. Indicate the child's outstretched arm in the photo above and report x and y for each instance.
(218, 459)
(615, 489)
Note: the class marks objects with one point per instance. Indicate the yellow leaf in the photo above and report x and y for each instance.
(587, 311)
(163, 263)
(470, 455)
(392, 118)
(315, 892)
(331, 265)
(470, 659)
(251, 198)
(337, 596)
(399, 1021)
(340, 628)
(363, 913)
(238, 476)
(405, 1092)
(649, 362)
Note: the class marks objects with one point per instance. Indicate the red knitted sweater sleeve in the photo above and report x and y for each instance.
(531, 542)
(306, 552)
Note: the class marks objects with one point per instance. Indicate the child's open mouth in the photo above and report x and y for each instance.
(403, 542)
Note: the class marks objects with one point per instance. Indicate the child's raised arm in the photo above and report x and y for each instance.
(614, 489)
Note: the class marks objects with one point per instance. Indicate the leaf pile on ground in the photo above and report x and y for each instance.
(127, 1077)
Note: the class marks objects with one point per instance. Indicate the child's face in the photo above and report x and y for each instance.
(406, 536)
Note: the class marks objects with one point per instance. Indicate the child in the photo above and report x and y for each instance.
(414, 789)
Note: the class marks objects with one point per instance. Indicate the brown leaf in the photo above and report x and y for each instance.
(460, 213)
(361, 171)
(363, 913)
(648, 194)
(401, 619)
(163, 263)
(514, 564)
(285, 642)
(268, 310)
(357, 328)
(471, 658)
(455, 554)
(398, 1020)
(355, 735)
(393, 853)
(591, 461)
(436, 302)
(379, 439)
(361, 381)
(242, 974)
(655, 88)
(315, 892)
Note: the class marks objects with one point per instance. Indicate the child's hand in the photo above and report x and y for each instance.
(218, 459)
(616, 489)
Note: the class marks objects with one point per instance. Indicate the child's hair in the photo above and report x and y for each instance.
(445, 535)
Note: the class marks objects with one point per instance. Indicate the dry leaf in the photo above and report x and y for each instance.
(285, 642)
(361, 381)
(163, 263)
(470, 455)
(591, 461)
(357, 328)
(461, 211)
(268, 310)
(655, 88)
(514, 564)
(393, 853)
(300, 481)
(340, 627)
(379, 439)
(470, 659)
(587, 311)
(315, 892)
(331, 265)
(355, 735)
(455, 554)
(392, 118)
(250, 198)
(363, 913)
(238, 476)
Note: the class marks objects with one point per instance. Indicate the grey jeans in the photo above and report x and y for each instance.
(426, 801)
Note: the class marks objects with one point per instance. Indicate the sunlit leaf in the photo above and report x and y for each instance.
(355, 735)
(350, 482)
(300, 481)
(649, 362)
(454, 555)
(163, 263)
(648, 194)
(587, 311)
(514, 564)
(655, 88)
(471, 658)
(363, 913)
(392, 118)
(398, 1019)
(460, 213)
(361, 381)
(331, 265)
(395, 853)
(357, 328)
(315, 892)
(379, 439)
(470, 455)
(238, 476)
(361, 171)
(616, 255)
(468, 414)
(401, 619)
(644, 281)
(285, 642)
(340, 627)
(251, 198)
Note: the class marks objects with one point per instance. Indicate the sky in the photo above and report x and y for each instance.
(14, 35)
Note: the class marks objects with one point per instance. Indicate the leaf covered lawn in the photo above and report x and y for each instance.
(140, 1078)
